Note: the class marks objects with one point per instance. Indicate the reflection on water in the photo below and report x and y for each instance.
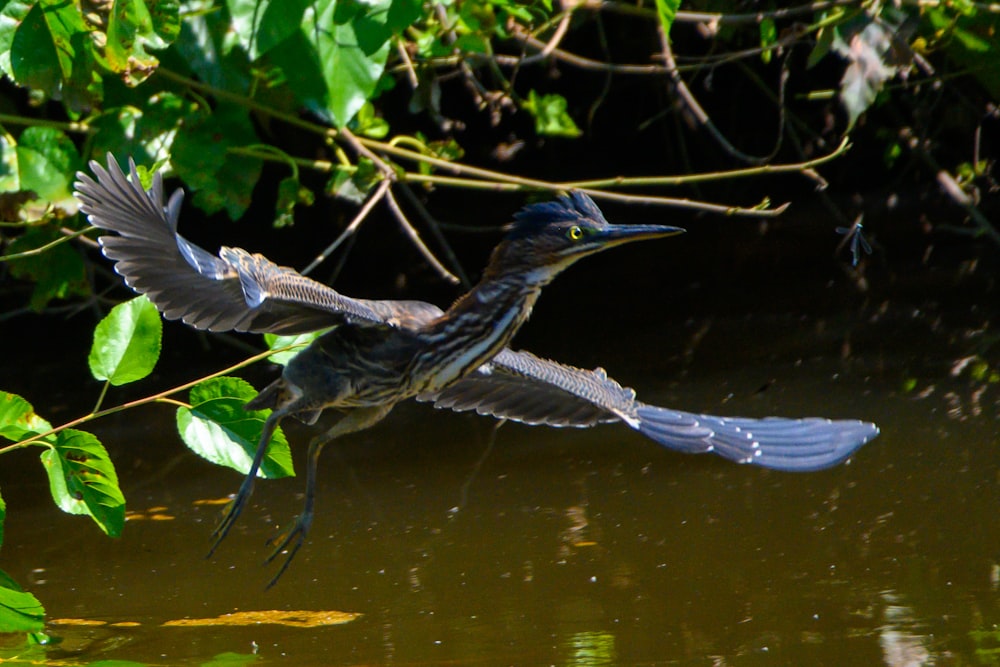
(590, 649)
(460, 544)
(901, 645)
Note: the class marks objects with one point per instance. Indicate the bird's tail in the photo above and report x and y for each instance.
(798, 445)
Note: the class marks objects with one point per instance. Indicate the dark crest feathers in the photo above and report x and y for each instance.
(567, 208)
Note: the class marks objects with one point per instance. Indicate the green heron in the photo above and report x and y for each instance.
(378, 353)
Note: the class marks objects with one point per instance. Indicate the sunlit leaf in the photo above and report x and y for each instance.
(126, 342)
(19, 611)
(217, 428)
(47, 162)
(83, 479)
(369, 124)
(132, 27)
(18, 419)
(334, 61)
(275, 342)
(209, 47)
(261, 25)
(666, 12)
(551, 117)
(353, 185)
(51, 52)
(221, 179)
(12, 14)
(768, 36)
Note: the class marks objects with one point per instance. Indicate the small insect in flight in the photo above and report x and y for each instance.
(855, 236)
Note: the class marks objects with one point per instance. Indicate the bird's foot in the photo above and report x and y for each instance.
(233, 510)
(289, 543)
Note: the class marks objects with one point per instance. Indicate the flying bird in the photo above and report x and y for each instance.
(380, 352)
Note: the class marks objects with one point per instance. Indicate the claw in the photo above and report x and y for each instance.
(233, 510)
(246, 488)
(294, 537)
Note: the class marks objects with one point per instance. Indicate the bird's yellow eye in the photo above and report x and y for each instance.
(574, 233)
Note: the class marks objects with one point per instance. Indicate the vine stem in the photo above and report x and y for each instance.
(162, 396)
(470, 176)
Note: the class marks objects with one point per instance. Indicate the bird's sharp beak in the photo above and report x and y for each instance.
(618, 234)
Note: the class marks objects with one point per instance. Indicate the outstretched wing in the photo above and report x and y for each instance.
(522, 387)
(793, 445)
(234, 291)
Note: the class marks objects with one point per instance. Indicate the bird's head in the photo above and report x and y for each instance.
(549, 236)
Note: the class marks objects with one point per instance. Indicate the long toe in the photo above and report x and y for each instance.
(233, 510)
(289, 544)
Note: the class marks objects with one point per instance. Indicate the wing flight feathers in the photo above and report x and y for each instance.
(235, 291)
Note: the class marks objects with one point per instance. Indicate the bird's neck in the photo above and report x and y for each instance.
(480, 324)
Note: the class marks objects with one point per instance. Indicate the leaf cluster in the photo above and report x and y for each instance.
(82, 477)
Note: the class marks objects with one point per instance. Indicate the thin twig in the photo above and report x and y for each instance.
(692, 105)
(404, 56)
(759, 170)
(380, 191)
(553, 42)
(48, 246)
(390, 175)
(417, 241)
(579, 61)
(687, 203)
(40, 437)
(435, 228)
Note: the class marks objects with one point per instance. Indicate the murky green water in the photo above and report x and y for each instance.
(532, 546)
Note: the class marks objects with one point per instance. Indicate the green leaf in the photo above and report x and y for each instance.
(824, 42)
(47, 162)
(221, 180)
(52, 51)
(10, 181)
(135, 25)
(291, 194)
(333, 63)
(768, 36)
(83, 479)
(126, 342)
(353, 184)
(58, 273)
(208, 46)
(275, 341)
(12, 14)
(551, 117)
(3, 516)
(18, 419)
(19, 611)
(261, 25)
(666, 11)
(145, 132)
(217, 428)
(369, 124)
(402, 14)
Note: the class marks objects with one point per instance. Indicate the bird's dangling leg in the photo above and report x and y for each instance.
(355, 420)
(237, 504)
